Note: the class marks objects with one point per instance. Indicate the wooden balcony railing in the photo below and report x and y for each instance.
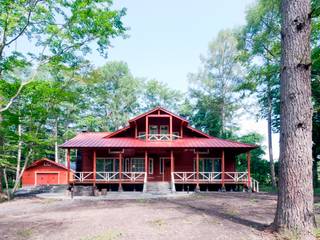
(159, 137)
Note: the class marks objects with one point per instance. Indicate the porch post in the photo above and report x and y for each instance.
(120, 172)
(223, 171)
(68, 164)
(94, 168)
(248, 162)
(147, 129)
(197, 169)
(170, 127)
(146, 171)
(173, 187)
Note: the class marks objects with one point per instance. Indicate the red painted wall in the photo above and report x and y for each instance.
(29, 176)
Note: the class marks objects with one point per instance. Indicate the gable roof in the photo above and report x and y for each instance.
(157, 109)
(38, 162)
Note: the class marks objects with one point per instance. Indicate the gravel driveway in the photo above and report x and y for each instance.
(231, 215)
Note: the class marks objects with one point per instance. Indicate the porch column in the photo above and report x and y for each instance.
(173, 187)
(170, 127)
(68, 164)
(197, 174)
(120, 172)
(147, 129)
(145, 170)
(94, 167)
(248, 162)
(222, 170)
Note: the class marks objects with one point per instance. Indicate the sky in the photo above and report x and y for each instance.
(166, 39)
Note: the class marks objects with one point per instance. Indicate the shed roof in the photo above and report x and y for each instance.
(38, 162)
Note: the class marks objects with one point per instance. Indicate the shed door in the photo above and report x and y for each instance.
(47, 178)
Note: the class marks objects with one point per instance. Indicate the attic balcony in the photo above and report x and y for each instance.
(159, 137)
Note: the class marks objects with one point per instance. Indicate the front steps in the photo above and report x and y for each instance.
(157, 187)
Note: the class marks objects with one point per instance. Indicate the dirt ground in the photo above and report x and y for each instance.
(240, 216)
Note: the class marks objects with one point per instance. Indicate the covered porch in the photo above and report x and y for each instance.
(178, 166)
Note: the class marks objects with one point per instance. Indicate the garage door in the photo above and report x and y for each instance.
(47, 178)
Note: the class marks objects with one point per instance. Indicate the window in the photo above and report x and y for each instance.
(150, 165)
(164, 129)
(137, 164)
(153, 129)
(107, 165)
(127, 165)
(161, 165)
(208, 165)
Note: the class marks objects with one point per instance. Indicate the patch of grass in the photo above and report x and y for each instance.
(253, 200)
(232, 212)
(24, 233)
(267, 188)
(108, 235)
(49, 201)
(317, 233)
(316, 191)
(159, 223)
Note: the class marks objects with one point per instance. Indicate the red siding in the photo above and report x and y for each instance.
(45, 174)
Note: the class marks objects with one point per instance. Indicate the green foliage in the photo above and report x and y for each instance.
(259, 166)
(156, 94)
(59, 33)
(214, 100)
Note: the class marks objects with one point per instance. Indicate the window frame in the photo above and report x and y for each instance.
(150, 126)
(160, 130)
(151, 167)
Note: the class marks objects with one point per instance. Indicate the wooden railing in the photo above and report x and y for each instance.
(215, 177)
(159, 137)
(83, 177)
(210, 176)
(133, 176)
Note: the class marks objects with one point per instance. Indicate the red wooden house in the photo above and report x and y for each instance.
(158, 146)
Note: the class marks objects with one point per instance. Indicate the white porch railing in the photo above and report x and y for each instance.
(215, 177)
(82, 177)
(133, 176)
(184, 176)
(236, 176)
(254, 185)
(159, 137)
(210, 176)
(107, 176)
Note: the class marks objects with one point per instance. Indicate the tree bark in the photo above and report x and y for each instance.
(19, 152)
(270, 147)
(56, 150)
(295, 213)
(6, 182)
(1, 176)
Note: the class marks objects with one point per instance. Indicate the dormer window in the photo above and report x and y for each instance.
(164, 129)
(153, 129)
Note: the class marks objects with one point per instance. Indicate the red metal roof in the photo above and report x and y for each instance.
(156, 109)
(97, 140)
(36, 163)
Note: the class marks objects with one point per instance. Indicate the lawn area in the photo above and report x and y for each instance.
(205, 216)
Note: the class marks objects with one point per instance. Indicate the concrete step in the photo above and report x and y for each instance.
(158, 187)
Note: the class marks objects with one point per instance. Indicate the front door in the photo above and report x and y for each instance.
(165, 168)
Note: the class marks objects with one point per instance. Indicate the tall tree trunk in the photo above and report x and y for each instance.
(1, 176)
(19, 152)
(270, 147)
(6, 182)
(56, 150)
(17, 183)
(295, 214)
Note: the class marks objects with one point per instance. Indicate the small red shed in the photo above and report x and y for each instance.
(45, 172)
